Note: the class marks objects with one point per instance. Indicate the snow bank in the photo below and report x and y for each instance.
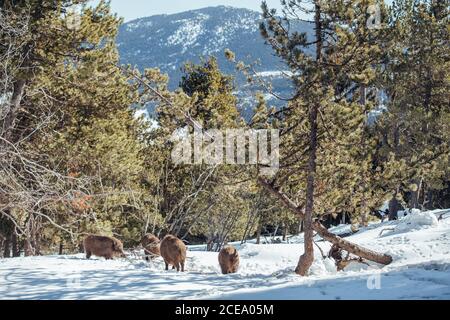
(416, 220)
(419, 244)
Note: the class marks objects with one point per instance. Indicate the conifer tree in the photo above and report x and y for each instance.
(414, 132)
(75, 126)
(324, 122)
(194, 196)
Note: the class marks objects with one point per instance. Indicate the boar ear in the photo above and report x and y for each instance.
(116, 246)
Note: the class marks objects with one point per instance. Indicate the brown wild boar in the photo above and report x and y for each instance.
(173, 251)
(151, 246)
(228, 259)
(102, 246)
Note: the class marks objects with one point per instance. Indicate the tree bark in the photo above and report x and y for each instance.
(7, 247)
(307, 258)
(351, 247)
(414, 201)
(15, 245)
(61, 248)
(11, 116)
(258, 233)
(28, 248)
(393, 208)
(300, 226)
(364, 214)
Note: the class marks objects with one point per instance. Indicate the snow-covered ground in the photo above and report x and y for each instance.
(418, 243)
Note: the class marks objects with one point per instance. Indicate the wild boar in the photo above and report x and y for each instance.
(102, 246)
(151, 246)
(228, 260)
(173, 251)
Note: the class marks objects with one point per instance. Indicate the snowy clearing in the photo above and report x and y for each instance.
(418, 243)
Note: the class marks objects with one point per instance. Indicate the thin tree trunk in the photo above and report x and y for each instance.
(36, 244)
(300, 227)
(307, 258)
(7, 247)
(393, 203)
(364, 214)
(258, 233)
(15, 245)
(393, 208)
(11, 116)
(414, 202)
(351, 247)
(61, 248)
(275, 231)
(28, 248)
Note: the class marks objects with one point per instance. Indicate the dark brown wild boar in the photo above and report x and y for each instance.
(173, 251)
(151, 246)
(102, 246)
(229, 260)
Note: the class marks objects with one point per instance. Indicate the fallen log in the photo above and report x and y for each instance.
(351, 247)
(323, 232)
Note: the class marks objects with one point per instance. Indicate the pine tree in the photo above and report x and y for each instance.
(324, 122)
(76, 127)
(194, 196)
(414, 131)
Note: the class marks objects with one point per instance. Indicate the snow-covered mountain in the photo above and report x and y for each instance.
(168, 41)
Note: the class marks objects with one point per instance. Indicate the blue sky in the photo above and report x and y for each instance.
(133, 9)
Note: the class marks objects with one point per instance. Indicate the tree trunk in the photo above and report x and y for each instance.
(11, 116)
(61, 248)
(28, 248)
(323, 232)
(364, 214)
(258, 236)
(258, 232)
(275, 232)
(364, 219)
(414, 201)
(351, 247)
(307, 258)
(393, 208)
(285, 229)
(15, 245)
(300, 226)
(37, 244)
(7, 247)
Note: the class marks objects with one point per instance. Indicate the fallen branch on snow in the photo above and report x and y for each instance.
(324, 233)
